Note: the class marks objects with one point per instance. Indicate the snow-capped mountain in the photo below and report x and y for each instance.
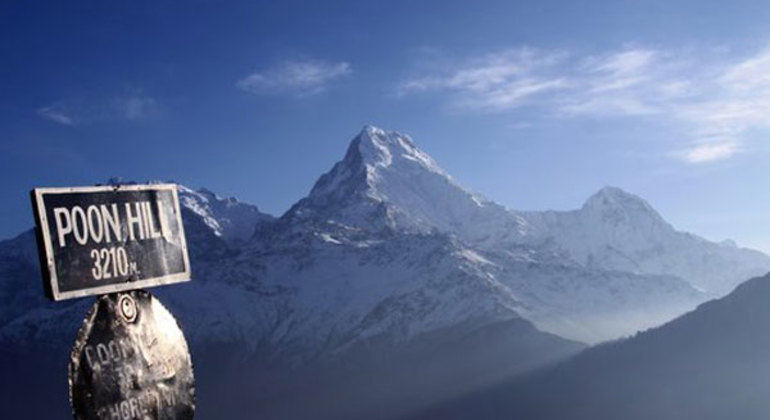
(572, 284)
(385, 181)
(295, 297)
(228, 218)
(386, 231)
(387, 251)
(619, 231)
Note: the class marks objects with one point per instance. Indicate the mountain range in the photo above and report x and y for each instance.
(388, 268)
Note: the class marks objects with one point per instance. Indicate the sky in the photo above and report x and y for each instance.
(535, 105)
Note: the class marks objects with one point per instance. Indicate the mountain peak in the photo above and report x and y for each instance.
(374, 157)
(613, 199)
(386, 180)
(617, 193)
(616, 206)
(379, 148)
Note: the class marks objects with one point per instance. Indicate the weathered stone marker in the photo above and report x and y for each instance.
(130, 359)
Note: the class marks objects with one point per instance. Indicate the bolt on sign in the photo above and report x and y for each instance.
(130, 359)
(107, 239)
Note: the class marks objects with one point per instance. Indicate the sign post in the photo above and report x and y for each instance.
(130, 359)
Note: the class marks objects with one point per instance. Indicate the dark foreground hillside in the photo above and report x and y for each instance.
(713, 363)
(381, 381)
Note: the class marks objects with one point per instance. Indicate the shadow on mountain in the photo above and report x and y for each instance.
(380, 380)
(712, 363)
(373, 380)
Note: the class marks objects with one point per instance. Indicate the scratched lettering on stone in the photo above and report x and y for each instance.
(131, 361)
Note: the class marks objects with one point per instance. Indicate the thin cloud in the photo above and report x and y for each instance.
(709, 152)
(619, 83)
(497, 81)
(301, 78)
(56, 114)
(716, 101)
(131, 106)
(135, 107)
(619, 71)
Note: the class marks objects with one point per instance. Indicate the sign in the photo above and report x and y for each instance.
(106, 239)
(131, 361)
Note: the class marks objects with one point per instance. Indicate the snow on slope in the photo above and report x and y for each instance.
(228, 218)
(299, 297)
(386, 189)
(397, 287)
(620, 231)
(388, 245)
(386, 185)
(385, 181)
(386, 249)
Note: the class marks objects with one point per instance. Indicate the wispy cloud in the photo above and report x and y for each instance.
(618, 83)
(57, 114)
(300, 77)
(135, 107)
(716, 101)
(130, 106)
(709, 152)
(495, 81)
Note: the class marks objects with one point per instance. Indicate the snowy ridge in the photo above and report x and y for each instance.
(617, 230)
(388, 246)
(228, 218)
(385, 181)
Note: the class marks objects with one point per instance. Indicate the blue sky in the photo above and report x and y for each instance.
(535, 105)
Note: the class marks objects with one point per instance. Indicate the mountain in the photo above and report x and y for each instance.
(386, 185)
(385, 181)
(294, 303)
(388, 269)
(620, 231)
(711, 363)
(227, 218)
